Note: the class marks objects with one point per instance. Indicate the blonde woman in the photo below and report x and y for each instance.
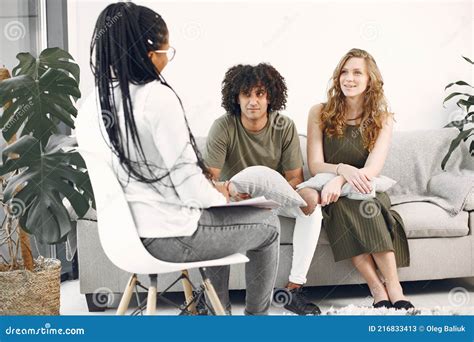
(349, 136)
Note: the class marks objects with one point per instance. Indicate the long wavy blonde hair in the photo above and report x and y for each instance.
(375, 110)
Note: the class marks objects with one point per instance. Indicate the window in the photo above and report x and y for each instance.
(21, 29)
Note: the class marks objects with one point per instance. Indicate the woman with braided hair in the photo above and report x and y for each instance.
(138, 116)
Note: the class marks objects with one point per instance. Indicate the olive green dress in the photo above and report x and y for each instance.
(356, 227)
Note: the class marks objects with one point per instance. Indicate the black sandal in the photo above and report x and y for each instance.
(403, 305)
(383, 304)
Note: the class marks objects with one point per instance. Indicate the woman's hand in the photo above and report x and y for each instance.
(331, 191)
(311, 197)
(236, 196)
(356, 177)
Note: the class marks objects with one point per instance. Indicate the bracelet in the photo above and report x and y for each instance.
(337, 168)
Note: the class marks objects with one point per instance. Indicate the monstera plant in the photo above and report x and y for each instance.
(465, 100)
(42, 173)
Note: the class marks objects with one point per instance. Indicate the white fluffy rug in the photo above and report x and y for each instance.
(353, 310)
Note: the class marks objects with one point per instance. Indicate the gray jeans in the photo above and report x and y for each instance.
(224, 231)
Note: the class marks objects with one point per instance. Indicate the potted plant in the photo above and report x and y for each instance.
(465, 102)
(41, 175)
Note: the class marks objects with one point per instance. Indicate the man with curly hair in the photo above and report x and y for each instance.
(252, 132)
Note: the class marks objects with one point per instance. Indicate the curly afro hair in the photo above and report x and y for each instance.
(243, 78)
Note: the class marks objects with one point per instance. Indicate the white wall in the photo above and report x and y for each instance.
(417, 45)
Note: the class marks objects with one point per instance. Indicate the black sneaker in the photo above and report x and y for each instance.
(300, 305)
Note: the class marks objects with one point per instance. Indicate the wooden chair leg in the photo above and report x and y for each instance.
(188, 292)
(151, 299)
(215, 301)
(127, 295)
(211, 294)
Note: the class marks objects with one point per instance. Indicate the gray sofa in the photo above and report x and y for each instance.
(441, 246)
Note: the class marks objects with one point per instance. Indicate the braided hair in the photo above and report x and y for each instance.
(123, 36)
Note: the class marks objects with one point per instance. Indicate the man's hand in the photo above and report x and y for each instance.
(331, 191)
(236, 196)
(311, 197)
(223, 188)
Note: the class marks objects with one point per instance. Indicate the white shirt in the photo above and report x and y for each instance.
(165, 141)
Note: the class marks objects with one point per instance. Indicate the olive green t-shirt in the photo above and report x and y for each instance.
(231, 148)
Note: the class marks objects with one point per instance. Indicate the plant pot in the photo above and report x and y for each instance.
(31, 293)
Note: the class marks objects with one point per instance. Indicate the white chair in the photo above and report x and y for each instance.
(122, 245)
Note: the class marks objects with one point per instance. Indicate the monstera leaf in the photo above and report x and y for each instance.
(52, 58)
(40, 94)
(45, 176)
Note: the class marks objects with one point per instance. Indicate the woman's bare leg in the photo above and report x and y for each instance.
(366, 266)
(388, 267)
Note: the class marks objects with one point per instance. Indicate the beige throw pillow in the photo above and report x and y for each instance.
(263, 181)
(379, 184)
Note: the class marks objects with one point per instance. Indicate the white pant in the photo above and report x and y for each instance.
(305, 239)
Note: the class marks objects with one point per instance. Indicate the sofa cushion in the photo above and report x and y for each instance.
(469, 204)
(421, 219)
(424, 219)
